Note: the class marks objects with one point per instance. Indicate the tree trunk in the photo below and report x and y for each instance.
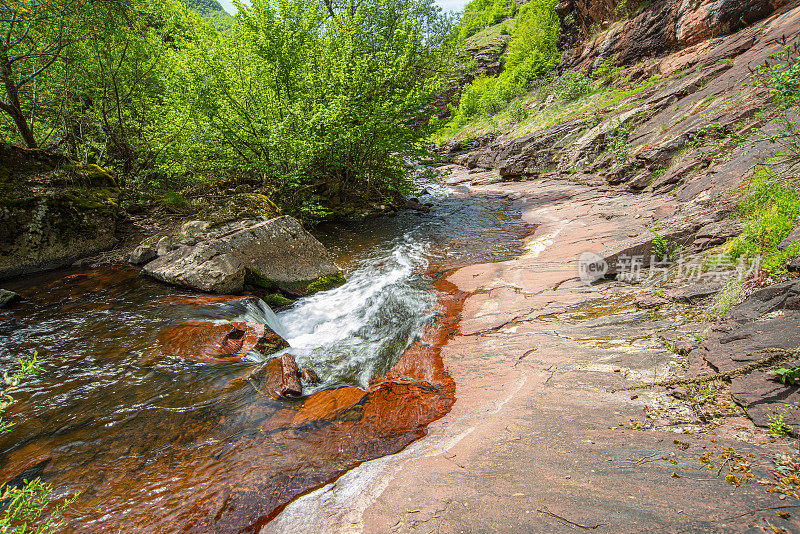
(12, 107)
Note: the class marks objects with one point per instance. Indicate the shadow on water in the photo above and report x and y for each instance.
(162, 445)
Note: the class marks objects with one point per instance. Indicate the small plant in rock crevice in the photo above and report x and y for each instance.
(777, 424)
(664, 248)
(788, 375)
(618, 143)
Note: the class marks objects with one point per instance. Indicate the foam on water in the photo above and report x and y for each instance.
(355, 332)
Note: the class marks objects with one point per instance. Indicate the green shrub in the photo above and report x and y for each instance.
(572, 85)
(618, 143)
(517, 111)
(483, 96)
(175, 200)
(606, 71)
(25, 504)
(535, 41)
(782, 75)
(770, 206)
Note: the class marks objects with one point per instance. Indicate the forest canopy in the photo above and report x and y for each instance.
(325, 102)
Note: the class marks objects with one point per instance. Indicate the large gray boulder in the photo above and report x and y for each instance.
(277, 254)
(201, 267)
(280, 253)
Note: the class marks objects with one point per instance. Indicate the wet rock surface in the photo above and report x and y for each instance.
(207, 342)
(180, 409)
(7, 298)
(278, 378)
(535, 358)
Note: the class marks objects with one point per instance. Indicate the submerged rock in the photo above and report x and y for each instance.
(7, 298)
(309, 376)
(208, 342)
(52, 210)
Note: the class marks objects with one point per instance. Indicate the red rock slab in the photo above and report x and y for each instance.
(208, 342)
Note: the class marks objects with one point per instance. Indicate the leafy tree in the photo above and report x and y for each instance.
(35, 36)
(323, 101)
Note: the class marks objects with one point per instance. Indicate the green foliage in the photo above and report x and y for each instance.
(321, 107)
(203, 6)
(174, 200)
(532, 53)
(699, 394)
(517, 111)
(664, 248)
(788, 375)
(618, 143)
(325, 103)
(25, 505)
(483, 96)
(533, 49)
(607, 71)
(479, 14)
(781, 75)
(777, 425)
(770, 206)
(571, 85)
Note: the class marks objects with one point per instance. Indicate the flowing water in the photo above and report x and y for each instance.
(162, 445)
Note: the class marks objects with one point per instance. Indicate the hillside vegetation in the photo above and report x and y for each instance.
(531, 53)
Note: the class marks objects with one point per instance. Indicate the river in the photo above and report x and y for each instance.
(162, 445)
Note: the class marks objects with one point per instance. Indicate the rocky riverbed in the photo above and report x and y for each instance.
(538, 441)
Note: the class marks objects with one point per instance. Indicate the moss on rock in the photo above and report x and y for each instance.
(323, 283)
(275, 300)
(305, 287)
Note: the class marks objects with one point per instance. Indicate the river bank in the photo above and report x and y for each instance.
(536, 441)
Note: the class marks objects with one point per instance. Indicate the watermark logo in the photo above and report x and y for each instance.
(719, 268)
(591, 267)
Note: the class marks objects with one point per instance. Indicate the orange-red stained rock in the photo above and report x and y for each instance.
(207, 342)
(277, 378)
(309, 376)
